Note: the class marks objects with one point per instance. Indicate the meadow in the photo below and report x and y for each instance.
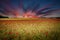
(30, 29)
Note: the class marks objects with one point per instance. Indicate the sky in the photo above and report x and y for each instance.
(34, 5)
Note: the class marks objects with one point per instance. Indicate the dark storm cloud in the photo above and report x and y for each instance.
(29, 4)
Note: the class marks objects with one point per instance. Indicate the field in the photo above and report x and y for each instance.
(30, 29)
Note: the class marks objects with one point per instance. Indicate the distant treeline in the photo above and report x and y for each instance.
(42, 17)
(3, 16)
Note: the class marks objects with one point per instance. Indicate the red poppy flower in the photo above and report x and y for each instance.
(17, 33)
(10, 33)
(46, 33)
(5, 39)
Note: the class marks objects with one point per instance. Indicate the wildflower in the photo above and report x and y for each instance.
(46, 33)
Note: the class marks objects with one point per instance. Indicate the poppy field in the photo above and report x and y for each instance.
(37, 29)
